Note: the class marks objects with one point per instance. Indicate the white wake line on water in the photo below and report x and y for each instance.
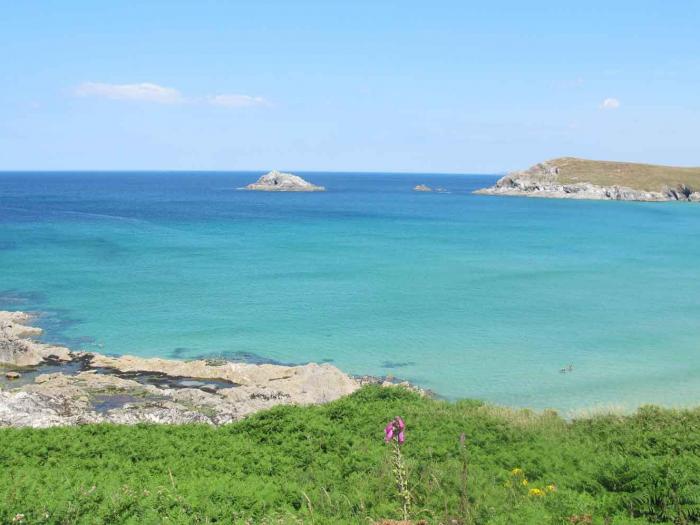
(105, 216)
(118, 218)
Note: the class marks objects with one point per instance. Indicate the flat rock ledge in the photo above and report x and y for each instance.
(541, 181)
(84, 387)
(279, 181)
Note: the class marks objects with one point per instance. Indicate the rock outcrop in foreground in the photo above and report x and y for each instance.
(278, 181)
(60, 387)
(570, 178)
(17, 346)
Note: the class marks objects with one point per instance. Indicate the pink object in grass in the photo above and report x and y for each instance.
(389, 432)
(395, 430)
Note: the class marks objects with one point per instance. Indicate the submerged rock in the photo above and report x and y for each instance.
(279, 181)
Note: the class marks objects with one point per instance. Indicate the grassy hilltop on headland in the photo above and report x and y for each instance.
(328, 464)
(646, 177)
(572, 178)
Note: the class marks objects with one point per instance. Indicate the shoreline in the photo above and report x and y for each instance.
(512, 186)
(56, 386)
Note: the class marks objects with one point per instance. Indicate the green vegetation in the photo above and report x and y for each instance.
(329, 465)
(645, 177)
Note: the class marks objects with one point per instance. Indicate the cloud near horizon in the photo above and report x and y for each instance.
(610, 103)
(149, 92)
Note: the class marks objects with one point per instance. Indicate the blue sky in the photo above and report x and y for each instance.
(346, 86)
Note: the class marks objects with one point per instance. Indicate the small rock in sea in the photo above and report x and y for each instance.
(12, 375)
(422, 187)
(278, 181)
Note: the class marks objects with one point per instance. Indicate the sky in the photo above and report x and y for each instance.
(441, 86)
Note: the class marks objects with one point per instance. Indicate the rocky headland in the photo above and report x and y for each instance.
(571, 178)
(45, 385)
(279, 181)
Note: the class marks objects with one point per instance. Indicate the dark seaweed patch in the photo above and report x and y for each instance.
(180, 352)
(162, 380)
(13, 299)
(397, 364)
(243, 357)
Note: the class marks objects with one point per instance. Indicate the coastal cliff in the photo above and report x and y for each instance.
(572, 178)
(45, 385)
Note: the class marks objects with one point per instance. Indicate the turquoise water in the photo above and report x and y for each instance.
(471, 296)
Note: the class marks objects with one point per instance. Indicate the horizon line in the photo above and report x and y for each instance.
(329, 172)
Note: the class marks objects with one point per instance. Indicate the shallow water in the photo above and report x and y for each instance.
(471, 296)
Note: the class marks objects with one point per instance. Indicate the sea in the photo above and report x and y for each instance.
(571, 305)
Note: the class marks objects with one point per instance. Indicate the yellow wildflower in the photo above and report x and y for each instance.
(517, 472)
(524, 482)
(551, 488)
(536, 492)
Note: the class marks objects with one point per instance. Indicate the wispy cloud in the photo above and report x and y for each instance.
(144, 91)
(237, 101)
(610, 103)
(149, 92)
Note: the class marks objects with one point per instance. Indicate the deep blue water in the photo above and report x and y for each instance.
(472, 296)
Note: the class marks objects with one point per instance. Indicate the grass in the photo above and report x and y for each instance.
(329, 465)
(645, 177)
